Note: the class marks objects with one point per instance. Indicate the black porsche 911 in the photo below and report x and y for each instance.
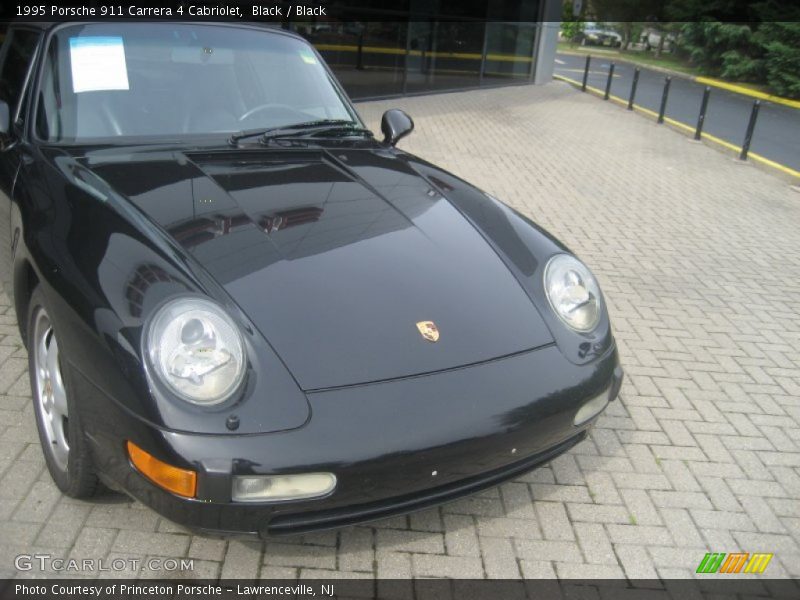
(246, 312)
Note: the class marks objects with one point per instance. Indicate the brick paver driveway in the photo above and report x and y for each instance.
(699, 258)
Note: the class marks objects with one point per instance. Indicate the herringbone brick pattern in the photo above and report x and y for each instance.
(699, 258)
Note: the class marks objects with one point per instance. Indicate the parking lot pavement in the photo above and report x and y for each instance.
(699, 258)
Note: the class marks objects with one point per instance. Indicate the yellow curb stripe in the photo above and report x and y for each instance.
(771, 163)
(740, 89)
(706, 136)
(401, 51)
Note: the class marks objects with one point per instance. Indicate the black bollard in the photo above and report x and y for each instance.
(608, 83)
(664, 97)
(633, 88)
(748, 135)
(586, 72)
(698, 133)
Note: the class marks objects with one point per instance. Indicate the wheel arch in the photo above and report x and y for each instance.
(25, 281)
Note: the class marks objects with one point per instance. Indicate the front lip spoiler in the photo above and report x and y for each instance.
(332, 519)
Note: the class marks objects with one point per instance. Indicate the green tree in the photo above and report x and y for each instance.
(727, 50)
(571, 25)
(781, 44)
(766, 49)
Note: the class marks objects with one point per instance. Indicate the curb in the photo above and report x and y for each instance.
(723, 85)
(687, 128)
(738, 89)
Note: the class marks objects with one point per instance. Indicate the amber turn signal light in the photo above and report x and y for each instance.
(178, 481)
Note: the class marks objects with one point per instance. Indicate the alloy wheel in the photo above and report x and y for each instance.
(50, 393)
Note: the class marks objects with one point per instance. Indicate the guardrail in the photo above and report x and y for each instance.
(698, 133)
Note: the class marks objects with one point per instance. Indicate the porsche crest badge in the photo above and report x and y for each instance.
(428, 330)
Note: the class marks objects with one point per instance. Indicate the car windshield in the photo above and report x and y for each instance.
(114, 82)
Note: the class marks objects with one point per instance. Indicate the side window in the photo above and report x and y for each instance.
(16, 57)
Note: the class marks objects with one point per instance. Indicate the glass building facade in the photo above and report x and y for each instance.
(431, 45)
(384, 48)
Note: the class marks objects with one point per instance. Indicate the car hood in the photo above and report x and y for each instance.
(336, 256)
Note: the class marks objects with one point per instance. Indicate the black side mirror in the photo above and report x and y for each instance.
(395, 125)
(5, 118)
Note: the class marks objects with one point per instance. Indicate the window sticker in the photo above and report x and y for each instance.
(98, 63)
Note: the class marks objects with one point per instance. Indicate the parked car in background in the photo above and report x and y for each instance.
(594, 35)
(650, 39)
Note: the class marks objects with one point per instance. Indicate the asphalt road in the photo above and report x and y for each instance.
(777, 132)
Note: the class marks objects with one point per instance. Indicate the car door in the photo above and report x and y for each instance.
(16, 62)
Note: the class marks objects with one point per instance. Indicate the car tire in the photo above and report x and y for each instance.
(64, 445)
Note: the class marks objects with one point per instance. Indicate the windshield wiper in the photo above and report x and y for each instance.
(306, 128)
(344, 129)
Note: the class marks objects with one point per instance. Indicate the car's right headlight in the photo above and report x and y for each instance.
(196, 350)
(573, 292)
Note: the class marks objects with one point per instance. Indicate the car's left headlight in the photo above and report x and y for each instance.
(196, 350)
(573, 292)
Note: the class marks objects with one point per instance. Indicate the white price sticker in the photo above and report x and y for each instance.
(98, 64)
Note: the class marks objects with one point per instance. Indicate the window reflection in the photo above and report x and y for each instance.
(414, 46)
(444, 55)
(369, 58)
(509, 50)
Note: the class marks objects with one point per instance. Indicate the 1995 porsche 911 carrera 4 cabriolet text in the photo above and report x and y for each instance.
(246, 312)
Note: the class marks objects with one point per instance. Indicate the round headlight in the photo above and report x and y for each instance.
(196, 350)
(573, 292)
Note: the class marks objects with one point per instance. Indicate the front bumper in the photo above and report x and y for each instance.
(394, 447)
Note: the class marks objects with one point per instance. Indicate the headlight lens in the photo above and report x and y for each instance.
(573, 292)
(196, 350)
